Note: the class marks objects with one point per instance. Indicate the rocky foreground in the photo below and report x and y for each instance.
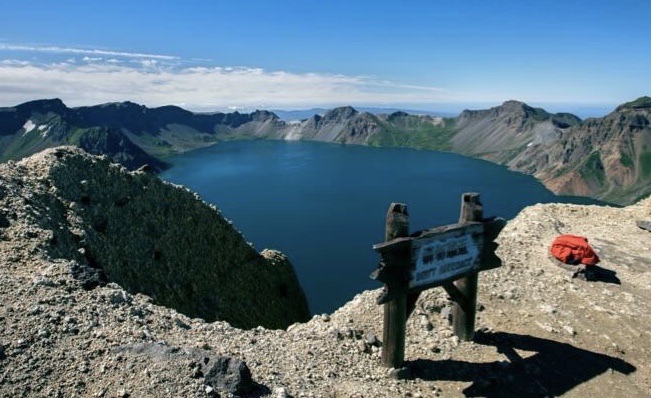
(540, 331)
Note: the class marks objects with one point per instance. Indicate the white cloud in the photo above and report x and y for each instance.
(85, 76)
(82, 76)
(14, 62)
(72, 50)
(148, 63)
(200, 88)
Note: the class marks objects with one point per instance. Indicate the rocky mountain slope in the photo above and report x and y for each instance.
(149, 134)
(498, 133)
(605, 158)
(608, 158)
(67, 331)
(34, 126)
(104, 224)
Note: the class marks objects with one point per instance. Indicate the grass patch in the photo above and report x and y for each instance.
(538, 114)
(75, 136)
(592, 170)
(412, 132)
(642, 102)
(23, 145)
(626, 160)
(645, 165)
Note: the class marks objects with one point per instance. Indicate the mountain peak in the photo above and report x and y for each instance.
(55, 105)
(397, 115)
(640, 103)
(513, 104)
(263, 115)
(342, 112)
(509, 106)
(124, 105)
(519, 107)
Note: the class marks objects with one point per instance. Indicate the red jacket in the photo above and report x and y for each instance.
(573, 249)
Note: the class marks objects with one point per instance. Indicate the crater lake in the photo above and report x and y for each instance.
(324, 205)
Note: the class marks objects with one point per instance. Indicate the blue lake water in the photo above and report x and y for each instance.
(324, 205)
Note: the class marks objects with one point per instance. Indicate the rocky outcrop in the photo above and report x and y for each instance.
(339, 125)
(117, 147)
(130, 228)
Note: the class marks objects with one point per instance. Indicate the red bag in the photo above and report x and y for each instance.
(573, 249)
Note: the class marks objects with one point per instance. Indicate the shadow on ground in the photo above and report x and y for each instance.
(605, 275)
(548, 368)
(593, 273)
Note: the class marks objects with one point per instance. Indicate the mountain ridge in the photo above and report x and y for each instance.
(606, 158)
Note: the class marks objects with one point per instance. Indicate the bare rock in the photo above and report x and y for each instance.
(230, 375)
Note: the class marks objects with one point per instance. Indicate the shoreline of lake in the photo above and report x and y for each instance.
(323, 205)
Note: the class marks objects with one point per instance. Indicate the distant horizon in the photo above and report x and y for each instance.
(440, 56)
(583, 111)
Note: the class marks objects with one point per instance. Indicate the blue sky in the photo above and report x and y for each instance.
(431, 55)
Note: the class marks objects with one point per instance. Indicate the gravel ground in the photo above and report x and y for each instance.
(540, 332)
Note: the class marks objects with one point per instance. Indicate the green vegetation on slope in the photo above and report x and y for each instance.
(626, 160)
(22, 146)
(415, 133)
(592, 170)
(538, 114)
(645, 165)
(75, 136)
(642, 102)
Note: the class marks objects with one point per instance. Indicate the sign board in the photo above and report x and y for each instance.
(445, 253)
(450, 256)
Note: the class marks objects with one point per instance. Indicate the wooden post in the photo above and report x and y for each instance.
(463, 311)
(395, 311)
(430, 258)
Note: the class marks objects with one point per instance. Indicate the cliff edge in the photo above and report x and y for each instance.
(110, 225)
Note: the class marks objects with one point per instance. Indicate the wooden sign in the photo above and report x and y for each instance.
(446, 253)
(450, 256)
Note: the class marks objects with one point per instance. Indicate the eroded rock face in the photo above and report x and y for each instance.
(605, 158)
(149, 237)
